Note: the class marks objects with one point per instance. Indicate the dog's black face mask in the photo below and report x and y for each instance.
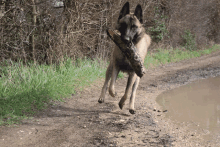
(128, 28)
(129, 24)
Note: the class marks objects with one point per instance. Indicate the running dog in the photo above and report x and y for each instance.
(131, 29)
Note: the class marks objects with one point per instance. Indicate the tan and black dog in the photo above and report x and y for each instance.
(131, 29)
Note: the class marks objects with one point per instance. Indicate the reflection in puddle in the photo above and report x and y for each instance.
(198, 102)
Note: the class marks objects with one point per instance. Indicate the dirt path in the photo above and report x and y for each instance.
(82, 121)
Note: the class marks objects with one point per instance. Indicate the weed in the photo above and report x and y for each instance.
(190, 40)
(159, 30)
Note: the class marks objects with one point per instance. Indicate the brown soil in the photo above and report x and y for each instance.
(82, 121)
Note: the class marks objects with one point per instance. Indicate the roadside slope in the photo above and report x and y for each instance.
(82, 121)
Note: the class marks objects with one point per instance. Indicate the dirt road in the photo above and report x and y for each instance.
(82, 122)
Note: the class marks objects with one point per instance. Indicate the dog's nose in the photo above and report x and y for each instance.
(126, 39)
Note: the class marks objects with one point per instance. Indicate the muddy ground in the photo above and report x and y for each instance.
(82, 122)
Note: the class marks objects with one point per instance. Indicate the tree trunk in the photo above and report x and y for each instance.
(31, 38)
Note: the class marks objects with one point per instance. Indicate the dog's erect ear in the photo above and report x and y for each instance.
(125, 10)
(138, 13)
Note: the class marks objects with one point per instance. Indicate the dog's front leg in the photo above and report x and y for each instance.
(105, 86)
(133, 94)
(115, 71)
(131, 79)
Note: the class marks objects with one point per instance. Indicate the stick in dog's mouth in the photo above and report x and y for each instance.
(129, 50)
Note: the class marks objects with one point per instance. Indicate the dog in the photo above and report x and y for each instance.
(131, 29)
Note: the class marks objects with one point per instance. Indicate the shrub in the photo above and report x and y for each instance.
(189, 40)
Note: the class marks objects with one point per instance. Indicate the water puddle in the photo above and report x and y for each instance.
(198, 102)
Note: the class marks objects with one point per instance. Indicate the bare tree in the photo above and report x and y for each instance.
(33, 28)
(39, 31)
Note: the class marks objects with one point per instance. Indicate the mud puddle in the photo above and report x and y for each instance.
(197, 103)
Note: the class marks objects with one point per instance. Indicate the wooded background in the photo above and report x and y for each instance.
(47, 31)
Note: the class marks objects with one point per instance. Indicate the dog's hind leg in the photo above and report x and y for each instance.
(133, 94)
(105, 86)
(115, 71)
(131, 79)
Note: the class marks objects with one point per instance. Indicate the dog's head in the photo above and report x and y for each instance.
(130, 25)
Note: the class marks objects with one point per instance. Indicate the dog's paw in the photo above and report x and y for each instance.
(132, 111)
(113, 94)
(121, 105)
(101, 100)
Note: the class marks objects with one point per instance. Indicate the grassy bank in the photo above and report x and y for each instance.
(25, 89)
(162, 56)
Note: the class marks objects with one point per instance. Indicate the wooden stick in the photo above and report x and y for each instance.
(129, 50)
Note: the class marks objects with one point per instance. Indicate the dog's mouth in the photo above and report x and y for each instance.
(128, 43)
(126, 39)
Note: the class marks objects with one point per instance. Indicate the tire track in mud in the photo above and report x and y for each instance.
(81, 121)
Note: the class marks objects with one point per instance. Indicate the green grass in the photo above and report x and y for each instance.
(26, 89)
(164, 56)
